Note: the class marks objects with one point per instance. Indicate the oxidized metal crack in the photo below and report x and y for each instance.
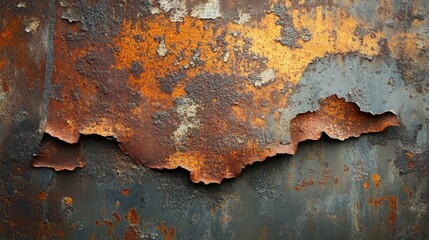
(206, 96)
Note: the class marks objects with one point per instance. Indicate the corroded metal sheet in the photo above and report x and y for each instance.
(187, 86)
(289, 71)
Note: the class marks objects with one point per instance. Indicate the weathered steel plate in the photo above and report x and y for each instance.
(212, 86)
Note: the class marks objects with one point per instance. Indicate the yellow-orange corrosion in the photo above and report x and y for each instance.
(194, 34)
(376, 179)
(68, 201)
(366, 185)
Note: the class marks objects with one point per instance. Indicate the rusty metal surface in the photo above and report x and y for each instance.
(206, 96)
(211, 86)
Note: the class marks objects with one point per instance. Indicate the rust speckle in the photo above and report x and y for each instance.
(5, 87)
(409, 154)
(109, 225)
(376, 179)
(116, 217)
(366, 185)
(306, 183)
(133, 217)
(91, 236)
(393, 206)
(408, 191)
(68, 201)
(346, 168)
(125, 192)
(168, 234)
(42, 196)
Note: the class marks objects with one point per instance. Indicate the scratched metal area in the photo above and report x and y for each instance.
(371, 54)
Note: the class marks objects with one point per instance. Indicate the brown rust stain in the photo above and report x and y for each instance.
(393, 206)
(407, 190)
(109, 225)
(168, 234)
(116, 217)
(42, 196)
(132, 233)
(4, 85)
(133, 217)
(59, 155)
(336, 180)
(207, 103)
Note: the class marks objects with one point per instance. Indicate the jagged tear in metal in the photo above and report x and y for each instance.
(213, 86)
(337, 118)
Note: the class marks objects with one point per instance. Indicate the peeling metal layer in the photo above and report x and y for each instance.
(207, 96)
(338, 119)
(59, 155)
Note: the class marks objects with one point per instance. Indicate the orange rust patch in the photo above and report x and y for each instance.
(42, 196)
(125, 192)
(376, 179)
(68, 201)
(409, 154)
(393, 206)
(366, 185)
(168, 234)
(133, 217)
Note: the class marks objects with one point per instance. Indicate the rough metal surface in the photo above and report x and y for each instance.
(149, 73)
